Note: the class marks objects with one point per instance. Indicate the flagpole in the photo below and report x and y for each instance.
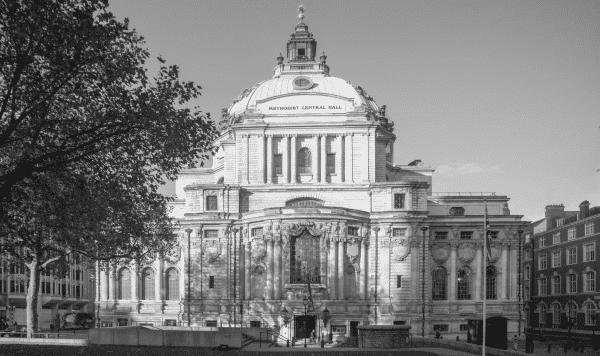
(485, 251)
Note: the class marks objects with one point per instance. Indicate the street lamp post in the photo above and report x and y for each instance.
(189, 269)
(375, 312)
(423, 230)
(305, 301)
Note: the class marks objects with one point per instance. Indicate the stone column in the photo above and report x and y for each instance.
(341, 269)
(269, 159)
(103, 284)
(315, 159)
(332, 270)
(323, 158)
(293, 164)
(246, 179)
(453, 290)
(247, 271)
(261, 159)
(112, 295)
(513, 272)
(277, 273)
(136, 280)
(285, 158)
(415, 274)
(363, 270)
(160, 274)
(478, 270)
(350, 165)
(323, 261)
(270, 267)
(504, 283)
(339, 160)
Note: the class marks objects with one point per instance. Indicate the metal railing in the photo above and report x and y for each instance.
(272, 334)
(464, 194)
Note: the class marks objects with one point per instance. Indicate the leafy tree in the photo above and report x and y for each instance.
(86, 137)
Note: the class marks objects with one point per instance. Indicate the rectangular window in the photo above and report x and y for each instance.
(589, 281)
(77, 291)
(542, 264)
(440, 235)
(440, 327)
(555, 259)
(331, 163)
(560, 222)
(398, 232)
(211, 202)
(527, 254)
(493, 234)
(526, 293)
(338, 329)
(211, 234)
(589, 228)
(257, 231)
(572, 283)
(542, 286)
(211, 323)
(278, 164)
(542, 242)
(589, 252)
(571, 234)
(556, 285)
(353, 230)
(255, 324)
(466, 235)
(527, 238)
(556, 238)
(399, 200)
(211, 282)
(526, 271)
(571, 255)
(398, 281)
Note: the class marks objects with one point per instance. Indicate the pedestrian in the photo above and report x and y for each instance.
(51, 327)
(437, 334)
(515, 343)
(469, 336)
(312, 337)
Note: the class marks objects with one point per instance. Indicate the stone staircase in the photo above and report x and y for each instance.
(246, 340)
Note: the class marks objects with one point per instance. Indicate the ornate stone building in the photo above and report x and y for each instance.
(303, 200)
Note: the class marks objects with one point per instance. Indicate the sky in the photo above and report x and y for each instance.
(498, 96)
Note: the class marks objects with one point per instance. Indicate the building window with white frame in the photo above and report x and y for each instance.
(397, 232)
(556, 285)
(589, 281)
(542, 242)
(211, 234)
(466, 235)
(542, 310)
(331, 163)
(571, 234)
(352, 230)
(211, 203)
(277, 164)
(555, 259)
(589, 309)
(572, 283)
(589, 252)
(464, 282)
(542, 262)
(589, 228)
(555, 315)
(571, 255)
(256, 231)
(304, 161)
(440, 235)
(527, 238)
(560, 222)
(542, 286)
(556, 238)
(526, 272)
(399, 199)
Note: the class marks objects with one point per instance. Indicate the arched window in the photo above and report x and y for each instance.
(305, 260)
(304, 161)
(589, 309)
(572, 313)
(172, 284)
(124, 284)
(542, 310)
(148, 283)
(556, 314)
(464, 283)
(438, 286)
(490, 280)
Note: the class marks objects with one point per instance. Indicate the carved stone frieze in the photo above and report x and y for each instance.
(440, 251)
(259, 251)
(466, 252)
(213, 250)
(352, 251)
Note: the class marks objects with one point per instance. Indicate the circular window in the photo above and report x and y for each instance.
(302, 83)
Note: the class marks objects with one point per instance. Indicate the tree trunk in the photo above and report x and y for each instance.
(32, 297)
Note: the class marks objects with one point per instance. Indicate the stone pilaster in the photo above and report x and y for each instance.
(269, 159)
(341, 269)
(453, 290)
(293, 163)
(323, 139)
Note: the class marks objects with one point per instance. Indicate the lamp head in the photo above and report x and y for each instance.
(305, 301)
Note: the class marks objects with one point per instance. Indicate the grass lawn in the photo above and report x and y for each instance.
(104, 350)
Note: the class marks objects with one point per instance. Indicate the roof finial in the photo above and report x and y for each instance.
(301, 13)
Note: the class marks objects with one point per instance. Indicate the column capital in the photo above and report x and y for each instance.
(269, 135)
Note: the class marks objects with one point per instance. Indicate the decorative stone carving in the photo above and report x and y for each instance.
(466, 252)
(496, 251)
(213, 250)
(259, 251)
(352, 251)
(400, 249)
(440, 251)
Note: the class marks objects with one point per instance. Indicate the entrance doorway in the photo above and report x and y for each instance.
(303, 328)
(353, 328)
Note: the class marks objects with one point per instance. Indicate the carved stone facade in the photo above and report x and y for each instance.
(309, 204)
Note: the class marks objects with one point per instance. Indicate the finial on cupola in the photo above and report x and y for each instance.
(323, 58)
(280, 59)
(301, 13)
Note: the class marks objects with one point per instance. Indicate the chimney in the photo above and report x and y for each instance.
(584, 209)
(552, 213)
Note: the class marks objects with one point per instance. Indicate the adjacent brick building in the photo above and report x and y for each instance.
(561, 269)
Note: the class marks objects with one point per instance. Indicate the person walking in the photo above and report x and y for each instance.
(312, 337)
(515, 343)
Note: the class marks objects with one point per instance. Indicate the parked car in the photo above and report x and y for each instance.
(15, 331)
